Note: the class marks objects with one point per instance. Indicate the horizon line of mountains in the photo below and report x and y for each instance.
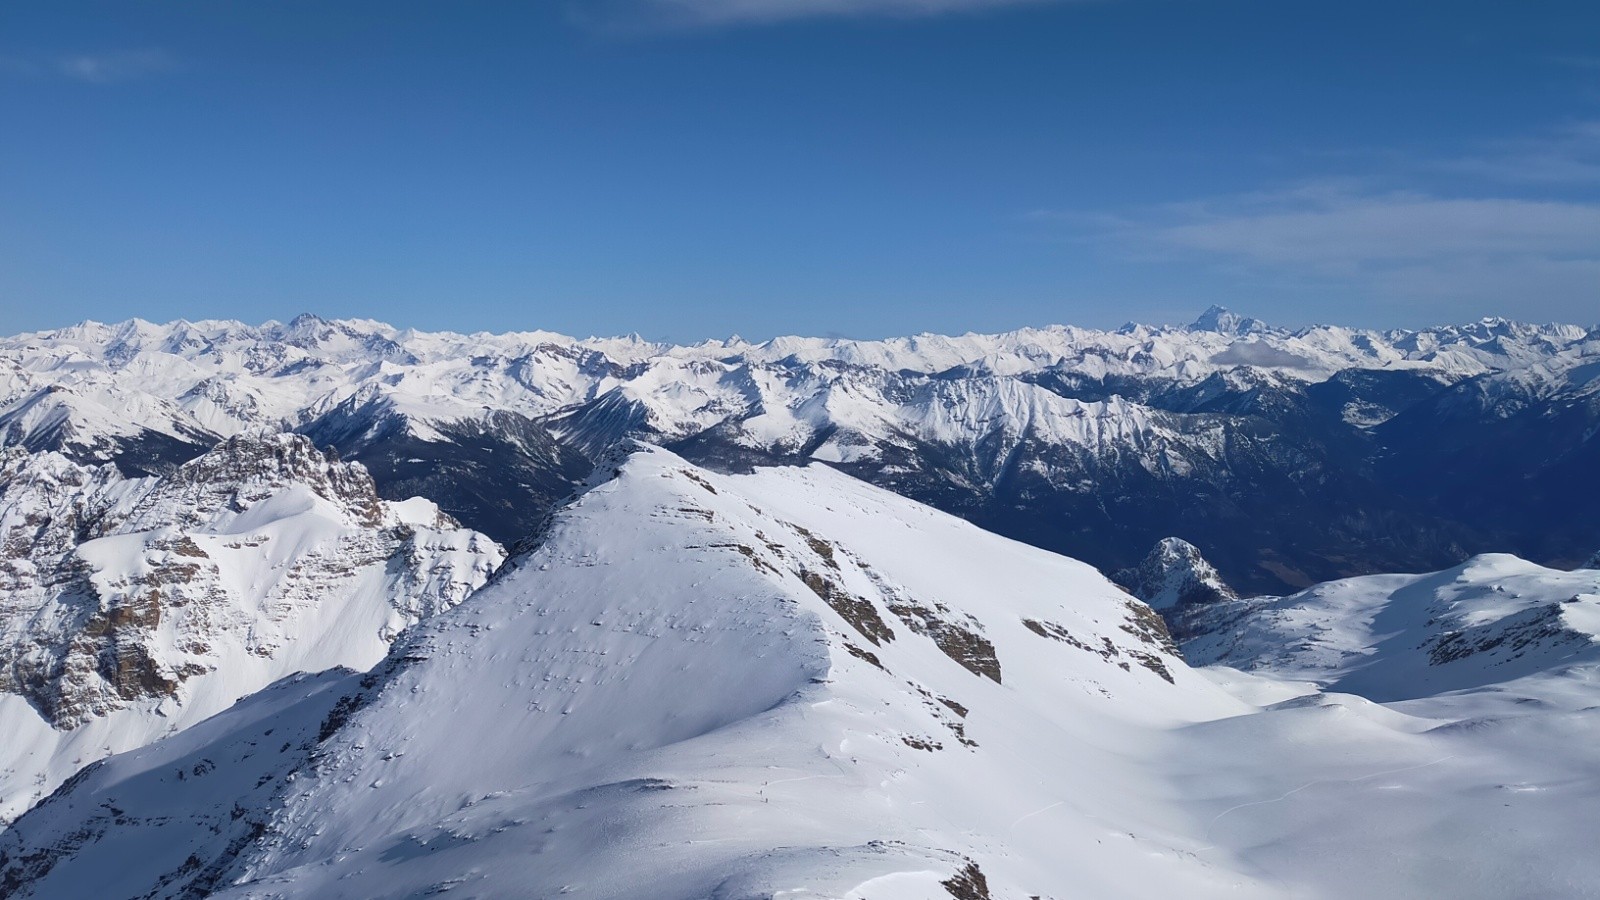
(1287, 457)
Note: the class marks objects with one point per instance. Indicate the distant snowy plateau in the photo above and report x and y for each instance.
(334, 609)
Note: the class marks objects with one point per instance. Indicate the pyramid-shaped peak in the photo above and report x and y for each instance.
(1221, 320)
(1175, 573)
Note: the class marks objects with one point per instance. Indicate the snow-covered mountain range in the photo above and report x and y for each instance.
(1290, 456)
(789, 683)
(259, 637)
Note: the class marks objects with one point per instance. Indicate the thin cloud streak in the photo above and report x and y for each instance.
(107, 68)
(1487, 227)
(636, 14)
(1570, 155)
(92, 68)
(1368, 230)
(1398, 246)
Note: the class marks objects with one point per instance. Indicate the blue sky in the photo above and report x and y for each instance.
(693, 168)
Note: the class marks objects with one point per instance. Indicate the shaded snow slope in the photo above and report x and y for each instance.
(134, 608)
(1494, 618)
(1485, 793)
(1473, 775)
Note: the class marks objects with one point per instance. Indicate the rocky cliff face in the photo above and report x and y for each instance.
(212, 490)
(132, 606)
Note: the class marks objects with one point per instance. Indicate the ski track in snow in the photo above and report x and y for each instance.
(1211, 826)
(1036, 812)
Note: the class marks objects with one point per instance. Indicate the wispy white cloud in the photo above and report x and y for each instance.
(1502, 221)
(1347, 232)
(1348, 236)
(1568, 155)
(1577, 62)
(755, 12)
(124, 65)
(1514, 284)
(91, 68)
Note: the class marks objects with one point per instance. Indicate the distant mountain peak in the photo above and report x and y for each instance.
(1222, 320)
(1175, 574)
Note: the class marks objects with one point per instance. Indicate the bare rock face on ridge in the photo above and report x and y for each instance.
(164, 599)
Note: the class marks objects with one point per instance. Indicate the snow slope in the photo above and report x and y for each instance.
(1441, 743)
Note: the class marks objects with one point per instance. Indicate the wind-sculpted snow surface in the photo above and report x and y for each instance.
(790, 684)
(1301, 455)
(132, 608)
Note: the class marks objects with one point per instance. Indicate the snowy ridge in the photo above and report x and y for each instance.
(707, 685)
(792, 684)
(135, 607)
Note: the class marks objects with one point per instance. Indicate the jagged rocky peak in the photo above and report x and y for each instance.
(1593, 563)
(246, 469)
(130, 607)
(306, 329)
(47, 504)
(268, 456)
(105, 569)
(1222, 320)
(1175, 574)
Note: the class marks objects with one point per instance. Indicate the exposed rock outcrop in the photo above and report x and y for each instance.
(1175, 574)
